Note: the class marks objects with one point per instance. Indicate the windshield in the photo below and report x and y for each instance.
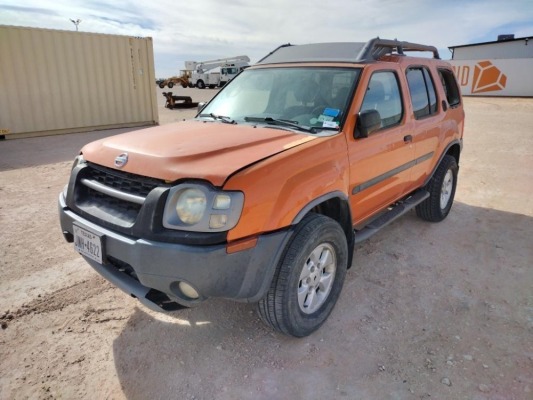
(308, 98)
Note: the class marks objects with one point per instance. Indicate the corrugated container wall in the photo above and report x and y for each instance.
(60, 81)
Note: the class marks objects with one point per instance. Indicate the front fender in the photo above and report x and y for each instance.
(279, 190)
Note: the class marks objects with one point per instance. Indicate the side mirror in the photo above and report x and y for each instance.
(201, 106)
(368, 121)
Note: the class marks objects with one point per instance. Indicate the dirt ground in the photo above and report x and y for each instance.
(428, 311)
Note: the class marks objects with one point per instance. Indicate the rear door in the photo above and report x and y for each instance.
(428, 116)
(380, 163)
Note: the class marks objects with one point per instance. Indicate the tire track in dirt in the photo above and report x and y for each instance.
(59, 299)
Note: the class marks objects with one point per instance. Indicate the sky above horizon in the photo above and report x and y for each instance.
(208, 29)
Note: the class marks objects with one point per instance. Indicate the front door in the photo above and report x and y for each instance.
(380, 164)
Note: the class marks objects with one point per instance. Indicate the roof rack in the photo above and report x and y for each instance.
(342, 52)
(375, 48)
(273, 51)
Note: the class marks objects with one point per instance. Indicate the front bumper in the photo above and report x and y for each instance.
(159, 267)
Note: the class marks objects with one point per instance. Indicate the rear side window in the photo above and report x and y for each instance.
(423, 96)
(449, 84)
(383, 95)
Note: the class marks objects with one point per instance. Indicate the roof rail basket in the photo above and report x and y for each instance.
(376, 48)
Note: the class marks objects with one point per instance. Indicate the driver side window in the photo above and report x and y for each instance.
(383, 95)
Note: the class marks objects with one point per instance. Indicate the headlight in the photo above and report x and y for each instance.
(190, 206)
(202, 208)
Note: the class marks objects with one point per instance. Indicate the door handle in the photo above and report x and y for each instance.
(407, 138)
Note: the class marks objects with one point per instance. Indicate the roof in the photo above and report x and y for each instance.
(493, 42)
(342, 51)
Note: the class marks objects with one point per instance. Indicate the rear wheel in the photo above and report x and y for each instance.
(441, 190)
(308, 279)
(162, 85)
(170, 85)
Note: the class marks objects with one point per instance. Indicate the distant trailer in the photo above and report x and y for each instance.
(55, 82)
(499, 68)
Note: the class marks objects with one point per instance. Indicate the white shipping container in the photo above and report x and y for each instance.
(55, 82)
(495, 77)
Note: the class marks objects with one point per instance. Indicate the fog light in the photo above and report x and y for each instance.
(188, 290)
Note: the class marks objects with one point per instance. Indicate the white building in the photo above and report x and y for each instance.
(500, 68)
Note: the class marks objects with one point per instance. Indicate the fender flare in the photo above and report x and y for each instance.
(313, 203)
(452, 143)
(346, 225)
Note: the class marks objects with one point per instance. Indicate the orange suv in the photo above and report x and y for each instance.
(262, 196)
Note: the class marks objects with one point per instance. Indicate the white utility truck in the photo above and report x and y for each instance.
(202, 75)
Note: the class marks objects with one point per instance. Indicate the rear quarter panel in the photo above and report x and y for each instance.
(451, 123)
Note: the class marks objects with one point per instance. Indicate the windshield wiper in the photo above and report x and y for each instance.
(281, 122)
(226, 120)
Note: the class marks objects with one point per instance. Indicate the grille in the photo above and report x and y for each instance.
(111, 204)
(112, 196)
(122, 181)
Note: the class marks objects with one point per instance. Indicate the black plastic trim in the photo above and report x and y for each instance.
(392, 172)
(328, 196)
(452, 143)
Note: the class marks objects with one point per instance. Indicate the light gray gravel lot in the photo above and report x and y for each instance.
(440, 311)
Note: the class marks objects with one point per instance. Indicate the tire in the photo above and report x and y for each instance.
(170, 85)
(441, 190)
(200, 84)
(314, 262)
(162, 85)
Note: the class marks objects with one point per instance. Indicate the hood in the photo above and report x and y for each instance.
(192, 149)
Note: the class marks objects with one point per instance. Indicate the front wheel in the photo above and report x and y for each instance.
(308, 279)
(441, 190)
(170, 85)
(200, 84)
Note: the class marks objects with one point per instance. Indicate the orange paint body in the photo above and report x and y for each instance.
(264, 195)
(280, 172)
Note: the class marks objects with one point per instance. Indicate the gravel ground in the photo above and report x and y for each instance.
(441, 311)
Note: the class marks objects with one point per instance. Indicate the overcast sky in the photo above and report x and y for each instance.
(210, 29)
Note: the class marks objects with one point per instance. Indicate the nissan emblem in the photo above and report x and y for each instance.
(121, 160)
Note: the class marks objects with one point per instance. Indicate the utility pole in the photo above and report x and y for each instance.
(77, 22)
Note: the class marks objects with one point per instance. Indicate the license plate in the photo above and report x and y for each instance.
(88, 244)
